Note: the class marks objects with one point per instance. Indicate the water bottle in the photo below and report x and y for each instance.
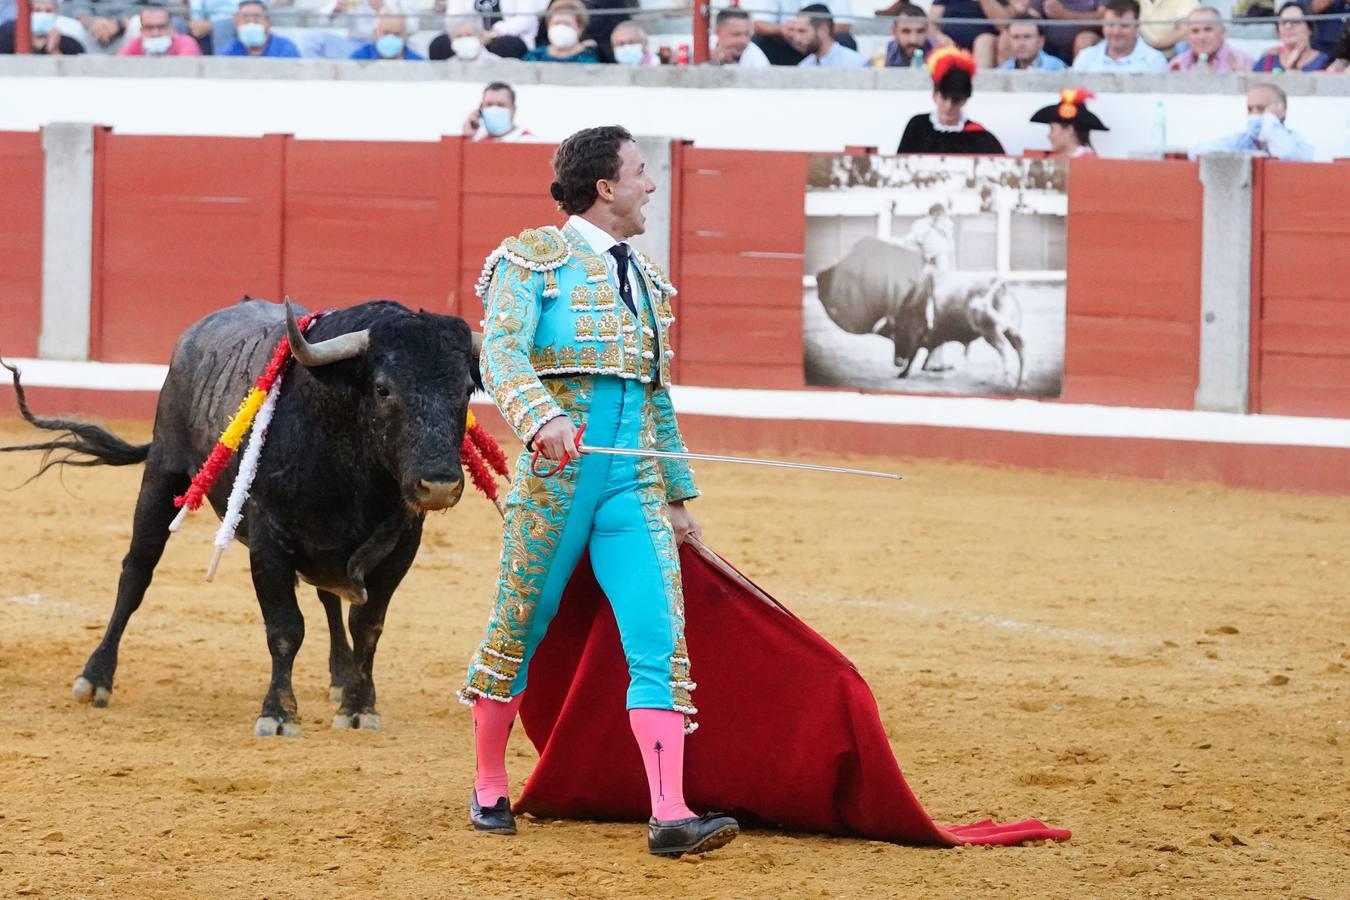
(1160, 128)
(1202, 60)
(916, 60)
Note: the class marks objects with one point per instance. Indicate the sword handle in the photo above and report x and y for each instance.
(561, 464)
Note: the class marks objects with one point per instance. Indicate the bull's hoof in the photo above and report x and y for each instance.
(344, 721)
(83, 691)
(267, 726)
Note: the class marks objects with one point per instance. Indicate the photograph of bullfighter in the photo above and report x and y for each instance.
(939, 275)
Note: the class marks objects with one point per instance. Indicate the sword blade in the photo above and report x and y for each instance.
(742, 460)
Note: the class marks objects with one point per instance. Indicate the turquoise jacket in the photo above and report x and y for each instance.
(551, 310)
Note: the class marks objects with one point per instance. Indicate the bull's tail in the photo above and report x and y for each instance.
(85, 444)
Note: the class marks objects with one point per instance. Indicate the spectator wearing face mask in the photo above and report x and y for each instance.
(46, 35)
(158, 38)
(1265, 134)
(1209, 50)
(490, 20)
(391, 40)
(495, 117)
(253, 34)
(565, 22)
(463, 40)
(629, 45)
(731, 44)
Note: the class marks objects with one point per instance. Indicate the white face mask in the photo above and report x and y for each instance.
(563, 37)
(157, 45)
(496, 120)
(467, 47)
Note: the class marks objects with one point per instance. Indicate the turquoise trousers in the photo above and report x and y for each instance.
(614, 507)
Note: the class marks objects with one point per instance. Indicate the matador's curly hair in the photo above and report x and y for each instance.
(586, 157)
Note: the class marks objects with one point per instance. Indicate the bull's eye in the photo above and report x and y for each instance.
(382, 392)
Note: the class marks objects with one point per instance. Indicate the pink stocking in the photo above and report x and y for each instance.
(492, 722)
(660, 737)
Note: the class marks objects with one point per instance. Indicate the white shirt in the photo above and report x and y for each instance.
(600, 241)
(751, 57)
(1142, 58)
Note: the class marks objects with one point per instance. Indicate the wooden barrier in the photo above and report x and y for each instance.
(1301, 310)
(21, 194)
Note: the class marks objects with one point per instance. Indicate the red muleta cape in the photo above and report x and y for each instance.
(789, 734)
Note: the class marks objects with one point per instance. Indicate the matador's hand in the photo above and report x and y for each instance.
(557, 438)
(683, 523)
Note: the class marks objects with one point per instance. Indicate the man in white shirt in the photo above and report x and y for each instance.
(1122, 51)
(731, 44)
(812, 33)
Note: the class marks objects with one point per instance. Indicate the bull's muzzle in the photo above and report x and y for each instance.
(433, 495)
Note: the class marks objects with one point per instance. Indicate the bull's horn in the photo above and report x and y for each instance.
(477, 345)
(344, 346)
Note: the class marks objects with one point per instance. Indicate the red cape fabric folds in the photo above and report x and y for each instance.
(789, 734)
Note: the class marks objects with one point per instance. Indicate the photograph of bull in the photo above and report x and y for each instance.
(935, 274)
(364, 442)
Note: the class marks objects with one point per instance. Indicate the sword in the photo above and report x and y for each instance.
(743, 460)
(701, 457)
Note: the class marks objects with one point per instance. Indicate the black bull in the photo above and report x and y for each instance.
(364, 441)
(883, 288)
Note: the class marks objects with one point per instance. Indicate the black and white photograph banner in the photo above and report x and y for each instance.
(936, 274)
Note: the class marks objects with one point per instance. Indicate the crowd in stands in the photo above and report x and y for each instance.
(1084, 35)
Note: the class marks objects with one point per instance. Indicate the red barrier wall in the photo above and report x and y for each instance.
(1132, 334)
(21, 178)
(1301, 310)
(742, 234)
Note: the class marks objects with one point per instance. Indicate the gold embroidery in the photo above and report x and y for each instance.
(586, 328)
(608, 327)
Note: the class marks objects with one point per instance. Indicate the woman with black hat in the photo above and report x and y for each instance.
(946, 130)
(1071, 124)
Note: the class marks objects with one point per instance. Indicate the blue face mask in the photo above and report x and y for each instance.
(42, 23)
(496, 120)
(253, 34)
(629, 54)
(390, 46)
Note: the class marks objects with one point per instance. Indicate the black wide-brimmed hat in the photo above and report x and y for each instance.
(1071, 110)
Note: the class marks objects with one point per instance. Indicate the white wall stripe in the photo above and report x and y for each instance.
(1017, 416)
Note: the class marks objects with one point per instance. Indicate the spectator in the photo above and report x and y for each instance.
(1071, 124)
(981, 40)
(1295, 52)
(105, 30)
(772, 18)
(1340, 54)
(910, 42)
(812, 33)
(490, 20)
(46, 36)
(731, 44)
(1265, 134)
(254, 37)
(158, 38)
(1327, 32)
(1162, 20)
(391, 40)
(465, 41)
(211, 22)
(628, 45)
(947, 130)
(565, 21)
(601, 27)
(1209, 48)
(1027, 41)
(494, 121)
(1122, 51)
(1067, 41)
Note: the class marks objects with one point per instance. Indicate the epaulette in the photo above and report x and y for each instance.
(656, 274)
(536, 249)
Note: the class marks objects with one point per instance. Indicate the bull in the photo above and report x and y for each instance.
(364, 442)
(886, 289)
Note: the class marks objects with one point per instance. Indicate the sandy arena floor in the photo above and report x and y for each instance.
(1162, 669)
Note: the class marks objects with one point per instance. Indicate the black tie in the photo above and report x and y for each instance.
(620, 254)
